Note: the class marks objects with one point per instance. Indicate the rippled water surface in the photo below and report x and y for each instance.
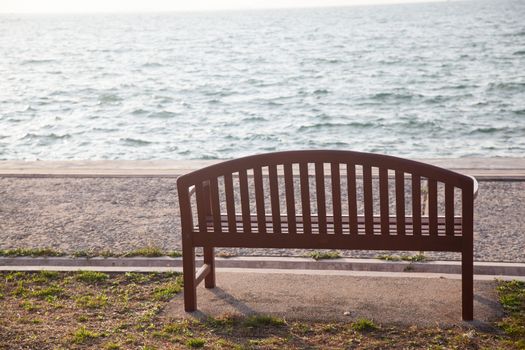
(422, 80)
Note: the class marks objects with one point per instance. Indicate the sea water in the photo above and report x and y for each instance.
(444, 79)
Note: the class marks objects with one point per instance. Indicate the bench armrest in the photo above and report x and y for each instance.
(476, 186)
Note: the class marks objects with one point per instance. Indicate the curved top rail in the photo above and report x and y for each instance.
(329, 156)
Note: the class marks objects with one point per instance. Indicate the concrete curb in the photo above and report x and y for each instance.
(484, 169)
(277, 263)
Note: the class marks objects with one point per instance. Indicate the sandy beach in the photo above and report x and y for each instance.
(123, 213)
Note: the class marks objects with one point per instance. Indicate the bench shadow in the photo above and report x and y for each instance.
(238, 305)
(239, 308)
(494, 308)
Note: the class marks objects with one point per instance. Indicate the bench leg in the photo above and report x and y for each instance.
(467, 285)
(188, 269)
(209, 258)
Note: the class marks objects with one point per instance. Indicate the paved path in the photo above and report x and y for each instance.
(121, 214)
(406, 301)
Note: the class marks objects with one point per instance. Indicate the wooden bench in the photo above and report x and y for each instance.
(325, 200)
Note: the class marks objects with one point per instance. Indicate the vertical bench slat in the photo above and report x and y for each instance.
(352, 198)
(230, 203)
(274, 198)
(321, 197)
(368, 199)
(449, 209)
(416, 204)
(432, 207)
(215, 205)
(400, 202)
(305, 198)
(336, 197)
(201, 206)
(259, 199)
(383, 201)
(290, 198)
(245, 201)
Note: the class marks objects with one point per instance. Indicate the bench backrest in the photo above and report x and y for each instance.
(327, 199)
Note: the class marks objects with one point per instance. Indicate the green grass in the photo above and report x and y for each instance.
(364, 325)
(45, 276)
(34, 252)
(29, 306)
(195, 343)
(167, 291)
(411, 258)
(316, 255)
(112, 346)
(256, 321)
(92, 302)
(512, 298)
(124, 312)
(388, 257)
(91, 277)
(149, 252)
(174, 254)
(176, 328)
(414, 258)
(83, 254)
(83, 335)
(49, 293)
(137, 277)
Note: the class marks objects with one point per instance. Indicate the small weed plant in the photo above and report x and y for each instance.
(195, 343)
(83, 335)
(91, 277)
(263, 320)
(364, 325)
(317, 255)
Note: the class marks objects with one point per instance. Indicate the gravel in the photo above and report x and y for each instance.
(120, 214)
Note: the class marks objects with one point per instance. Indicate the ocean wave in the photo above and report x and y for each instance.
(164, 99)
(109, 98)
(140, 111)
(163, 115)
(274, 103)
(103, 129)
(507, 86)
(37, 61)
(45, 139)
(254, 119)
(152, 65)
(328, 60)
(486, 130)
(135, 142)
(502, 129)
(320, 126)
(384, 96)
(219, 93)
(29, 109)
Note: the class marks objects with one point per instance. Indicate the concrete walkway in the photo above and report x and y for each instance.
(385, 300)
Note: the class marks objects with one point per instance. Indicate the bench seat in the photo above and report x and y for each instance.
(361, 227)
